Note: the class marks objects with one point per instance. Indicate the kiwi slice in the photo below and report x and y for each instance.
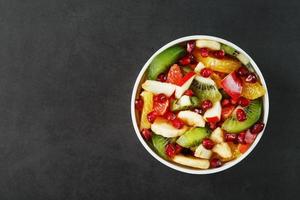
(253, 112)
(159, 143)
(205, 89)
(193, 137)
(164, 60)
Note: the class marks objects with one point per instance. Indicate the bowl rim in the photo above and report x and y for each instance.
(182, 168)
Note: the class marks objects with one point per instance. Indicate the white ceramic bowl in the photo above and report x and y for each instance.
(181, 168)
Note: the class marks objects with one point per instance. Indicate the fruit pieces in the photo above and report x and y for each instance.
(191, 161)
(147, 108)
(223, 150)
(202, 152)
(159, 144)
(157, 87)
(232, 85)
(164, 60)
(184, 84)
(174, 75)
(191, 118)
(193, 137)
(253, 112)
(213, 114)
(208, 44)
(205, 89)
(217, 135)
(164, 128)
(225, 65)
(252, 90)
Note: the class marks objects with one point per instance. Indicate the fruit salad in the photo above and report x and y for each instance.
(200, 104)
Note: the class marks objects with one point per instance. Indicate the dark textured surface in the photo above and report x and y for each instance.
(66, 73)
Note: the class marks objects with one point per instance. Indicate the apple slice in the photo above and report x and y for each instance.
(217, 135)
(214, 113)
(157, 87)
(199, 67)
(232, 85)
(191, 161)
(164, 128)
(184, 84)
(191, 118)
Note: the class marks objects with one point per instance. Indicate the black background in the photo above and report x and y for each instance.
(67, 69)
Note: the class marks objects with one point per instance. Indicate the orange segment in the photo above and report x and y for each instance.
(225, 65)
(252, 90)
(243, 147)
(147, 108)
(217, 79)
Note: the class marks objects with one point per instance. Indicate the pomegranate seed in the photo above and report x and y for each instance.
(241, 115)
(170, 150)
(241, 138)
(205, 72)
(215, 162)
(162, 78)
(251, 78)
(219, 54)
(151, 116)
(178, 148)
(189, 92)
(212, 125)
(242, 71)
(185, 60)
(204, 52)
(206, 104)
(190, 46)
(257, 128)
(230, 137)
(233, 101)
(177, 123)
(160, 98)
(225, 102)
(243, 101)
(139, 103)
(208, 143)
(199, 111)
(146, 133)
(170, 116)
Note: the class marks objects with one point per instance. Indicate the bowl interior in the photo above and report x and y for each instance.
(135, 115)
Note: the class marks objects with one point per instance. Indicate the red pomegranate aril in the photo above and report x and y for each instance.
(215, 162)
(200, 111)
(219, 54)
(204, 52)
(170, 150)
(146, 133)
(205, 72)
(160, 98)
(170, 116)
(185, 60)
(162, 78)
(190, 46)
(151, 116)
(242, 71)
(189, 92)
(257, 128)
(230, 137)
(249, 137)
(225, 102)
(251, 78)
(241, 138)
(208, 143)
(241, 115)
(177, 123)
(243, 101)
(139, 103)
(206, 104)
